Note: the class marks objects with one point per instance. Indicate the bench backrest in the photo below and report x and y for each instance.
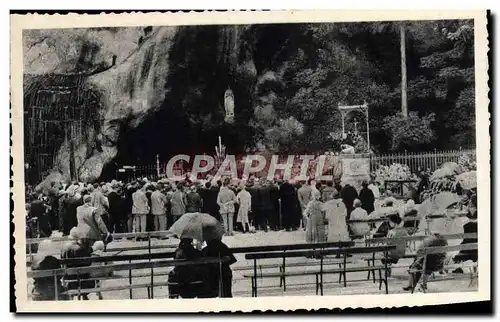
(332, 251)
(288, 247)
(115, 236)
(417, 238)
(123, 267)
(445, 249)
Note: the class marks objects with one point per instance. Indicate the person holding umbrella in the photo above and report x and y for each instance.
(200, 227)
(220, 276)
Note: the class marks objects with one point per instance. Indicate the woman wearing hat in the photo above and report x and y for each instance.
(91, 222)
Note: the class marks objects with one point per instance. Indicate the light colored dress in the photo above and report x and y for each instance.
(315, 230)
(360, 229)
(336, 214)
(244, 199)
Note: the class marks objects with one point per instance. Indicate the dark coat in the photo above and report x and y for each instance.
(367, 199)
(289, 205)
(217, 249)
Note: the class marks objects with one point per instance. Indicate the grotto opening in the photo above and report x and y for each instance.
(116, 96)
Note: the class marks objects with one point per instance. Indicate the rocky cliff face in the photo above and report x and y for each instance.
(130, 86)
(137, 73)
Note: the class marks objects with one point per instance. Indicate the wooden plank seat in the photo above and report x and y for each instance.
(342, 270)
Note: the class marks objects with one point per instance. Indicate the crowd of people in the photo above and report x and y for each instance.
(144, 205)
(90, 213)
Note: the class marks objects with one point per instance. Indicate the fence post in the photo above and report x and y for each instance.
(435, 160)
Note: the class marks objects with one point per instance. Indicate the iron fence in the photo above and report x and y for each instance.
(421, 160)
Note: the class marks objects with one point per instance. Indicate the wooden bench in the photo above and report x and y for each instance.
(342, 270)
(407, 239)
(102, 270)
(439, 250)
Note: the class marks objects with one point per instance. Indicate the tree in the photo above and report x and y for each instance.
(411, 132)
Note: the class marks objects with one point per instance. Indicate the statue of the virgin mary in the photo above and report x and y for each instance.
(229, 106)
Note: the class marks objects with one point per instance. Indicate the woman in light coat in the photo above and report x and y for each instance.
(315, 229)
(336, 213)
(244, 200)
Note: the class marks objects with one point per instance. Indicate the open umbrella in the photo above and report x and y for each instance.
(197, 226)
(468, 180)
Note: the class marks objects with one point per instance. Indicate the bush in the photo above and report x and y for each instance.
(406, 133)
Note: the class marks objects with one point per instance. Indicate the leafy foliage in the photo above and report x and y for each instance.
(409, 132)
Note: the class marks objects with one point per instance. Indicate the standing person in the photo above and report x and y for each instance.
(219, 274)
(90, 221)
(274, 218)
(337, 187)
(359, 229)
(150, 187)
(226, 199)
(253, 189)
(329, 192)
(159, 209)
(348, 194)
(335, 214)
(209, 200)
(266, 205)
(53, 195)
(289, 211)
(177, 203)
(100, 202)
(193, 200)
(73, 201)
(315, 230)
(61, 209)
(115, 210)
(38, 209)
(367, 198)
(244, 200)
(128, 205)
(373, 186)
(304, 195)
(140, 210)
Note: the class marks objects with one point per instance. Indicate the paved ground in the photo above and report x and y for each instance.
(299, 285)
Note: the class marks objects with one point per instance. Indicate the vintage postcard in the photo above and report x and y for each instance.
(241, 161)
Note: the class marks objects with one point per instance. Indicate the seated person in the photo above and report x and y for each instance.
(219, 276)
(411, 212)
(469, 228)
(396, 231)
(80, 248)
(44, 288)
(361, 229)
(98, 249)
(181, 278)
(434, 262)
(384, 227)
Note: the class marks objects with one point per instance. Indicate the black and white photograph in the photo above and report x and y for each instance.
(274, 159)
